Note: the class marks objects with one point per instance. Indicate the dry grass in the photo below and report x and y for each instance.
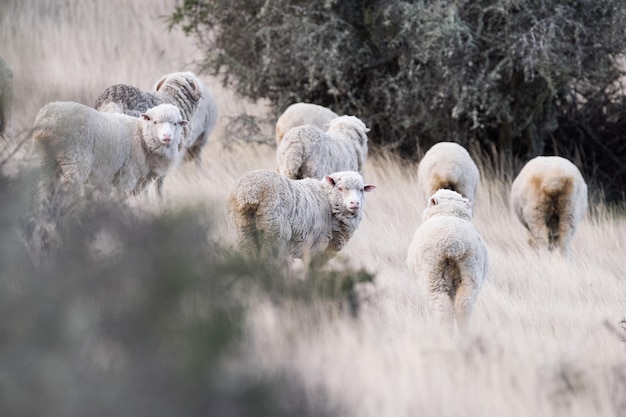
(545, 336)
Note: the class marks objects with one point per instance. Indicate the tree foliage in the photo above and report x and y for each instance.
(480, 72)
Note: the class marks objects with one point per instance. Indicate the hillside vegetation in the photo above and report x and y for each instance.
(138, 310)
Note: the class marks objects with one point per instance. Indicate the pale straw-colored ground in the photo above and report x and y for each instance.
(545, 338)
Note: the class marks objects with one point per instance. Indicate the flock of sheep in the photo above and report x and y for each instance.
(311, 206)
(287, 213)
(130, 137)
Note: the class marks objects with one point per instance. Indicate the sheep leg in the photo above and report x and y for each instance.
(567, 226)
(465, 297)
(159, 189)
(440, 288)
(537, 227)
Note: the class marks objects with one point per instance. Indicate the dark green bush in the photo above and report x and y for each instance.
(503, 74)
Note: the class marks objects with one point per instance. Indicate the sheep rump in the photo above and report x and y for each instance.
(448, 165)
(81, 144)
(299, 114)
(549, 197)
(274, 215)
(309, 152)
(448, 258)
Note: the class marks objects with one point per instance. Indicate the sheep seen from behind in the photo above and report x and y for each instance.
(309, 152)
(549, 197)
(448, 165)
(274, 215)
(299, 114)
(448, 258)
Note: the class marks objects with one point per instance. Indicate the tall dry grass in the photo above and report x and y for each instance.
(547, 335)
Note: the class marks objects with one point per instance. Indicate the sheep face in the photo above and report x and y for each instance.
(163, 124)
(347, 196)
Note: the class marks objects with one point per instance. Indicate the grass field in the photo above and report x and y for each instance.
(547, 336)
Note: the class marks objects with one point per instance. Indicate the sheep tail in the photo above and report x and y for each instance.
(554, 186)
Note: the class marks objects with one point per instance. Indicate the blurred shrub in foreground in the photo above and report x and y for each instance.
(130, 314)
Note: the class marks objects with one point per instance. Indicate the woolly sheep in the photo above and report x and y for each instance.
(204, 117)
(6, 96)
(299, 114)
(448, 257)
(308, 217)
(182, 89)
(549, 196)
(83, 144)
(309, 152)
(448, 165)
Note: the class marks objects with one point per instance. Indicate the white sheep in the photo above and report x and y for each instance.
(309, 152)
(448, 165)
(182, 89)
(6, 96)
(85, 145)
(299, 114)
(448, 257)
(549, 196)
(275, 215)
(204, 117)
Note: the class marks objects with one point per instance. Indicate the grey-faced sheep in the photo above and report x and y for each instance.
(299, 114)
(448, 165)
(182, 89)
(309, 152)
(448, 257)
(549, 196)
(85, 145)
(6, 96)
(275, 215)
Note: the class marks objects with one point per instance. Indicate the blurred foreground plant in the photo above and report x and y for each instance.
(131, 314)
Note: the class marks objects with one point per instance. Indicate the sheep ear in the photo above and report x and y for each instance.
(468, 204)
(369, 188)
(330, 180)
(184, 123)
(160, 83)
(144, 116)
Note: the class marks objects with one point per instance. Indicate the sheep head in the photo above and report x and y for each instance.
(162, 126)
(448, 203)
(346, 191)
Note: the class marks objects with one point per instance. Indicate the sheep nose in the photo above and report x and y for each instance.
(354, 205)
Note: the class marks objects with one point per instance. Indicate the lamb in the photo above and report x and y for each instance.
(182, 89)
(85, 145)
(299, 114)
(6, 96)
(549, 197)
(448, 257)
(309, 152)
(448, 165)
(312, 218)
